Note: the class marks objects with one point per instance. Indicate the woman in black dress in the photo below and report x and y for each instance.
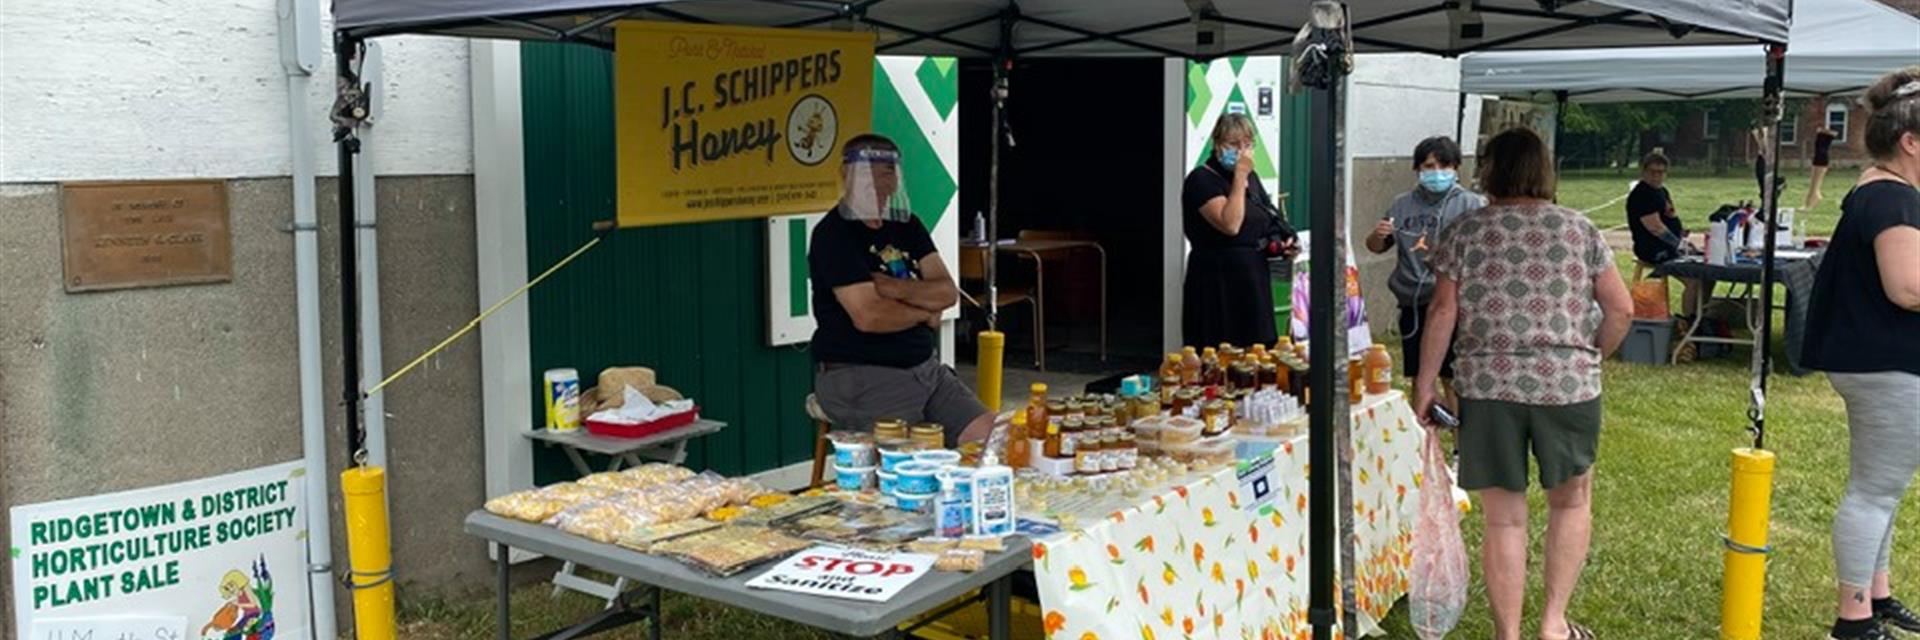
(1229, 220)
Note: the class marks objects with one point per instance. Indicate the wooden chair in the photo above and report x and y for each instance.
(973, 268)
(821, 425)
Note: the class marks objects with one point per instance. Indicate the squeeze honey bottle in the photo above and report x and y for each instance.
(1379, 370)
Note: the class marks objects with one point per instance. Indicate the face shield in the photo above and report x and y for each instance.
(872, 187)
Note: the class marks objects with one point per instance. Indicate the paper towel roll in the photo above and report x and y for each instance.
(1717, 243)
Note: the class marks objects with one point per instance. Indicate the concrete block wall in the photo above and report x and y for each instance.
(109, 391)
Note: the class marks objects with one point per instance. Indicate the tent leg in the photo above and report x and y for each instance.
(345, 49)
(1773, 103)
(1325, 308)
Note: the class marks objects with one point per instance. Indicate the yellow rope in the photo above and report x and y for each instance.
(483, 316)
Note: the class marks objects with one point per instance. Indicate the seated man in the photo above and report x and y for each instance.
(1658, 235)
(878, 290)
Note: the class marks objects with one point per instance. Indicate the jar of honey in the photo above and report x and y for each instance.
(890, 429)
(1071, 431)
(1086, 458)
(929, 436)
(1214, 415)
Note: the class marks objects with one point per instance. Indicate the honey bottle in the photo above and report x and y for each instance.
(1379, 370)
(1356, 380)
(1052, 447)
(1189, 366)
(1210, 372)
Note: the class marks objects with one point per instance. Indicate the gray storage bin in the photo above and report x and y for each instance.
(1648, 342)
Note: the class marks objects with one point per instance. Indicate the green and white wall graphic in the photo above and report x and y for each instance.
(1250, 85)
(915, 102)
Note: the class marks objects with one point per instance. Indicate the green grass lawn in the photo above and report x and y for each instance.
(1697, 193)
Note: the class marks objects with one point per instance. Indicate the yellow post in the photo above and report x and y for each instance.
(369, 556)
(1745, 579)
(993, 345)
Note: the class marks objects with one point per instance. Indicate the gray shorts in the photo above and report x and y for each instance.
(856, 395)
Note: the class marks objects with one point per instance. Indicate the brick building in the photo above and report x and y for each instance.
(1702, 139)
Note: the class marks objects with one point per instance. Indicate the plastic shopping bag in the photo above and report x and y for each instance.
(1438, 584)
(1649, 297)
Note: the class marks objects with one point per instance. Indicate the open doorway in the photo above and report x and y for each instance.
(1086, 167)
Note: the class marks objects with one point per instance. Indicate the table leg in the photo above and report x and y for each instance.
(1103, 301)
(504, 568)
(999, 609)
(579, 463)
(653, 615)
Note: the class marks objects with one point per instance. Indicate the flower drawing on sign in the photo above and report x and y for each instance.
(248, 610)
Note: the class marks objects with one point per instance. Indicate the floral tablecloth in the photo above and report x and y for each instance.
(1209, 559)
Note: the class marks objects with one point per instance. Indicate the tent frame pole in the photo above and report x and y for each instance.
(1774, 103)
(346, 48)
(1325, 310)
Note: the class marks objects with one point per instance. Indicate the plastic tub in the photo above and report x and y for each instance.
(855, 478)
(939, 457)
(1180, 430)
(915, 502)
(917, 477)
(852, 449)
(1148, 429)
(891, 457)
(888, 482)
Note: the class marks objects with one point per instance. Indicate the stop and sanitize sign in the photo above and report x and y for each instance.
(839, 572)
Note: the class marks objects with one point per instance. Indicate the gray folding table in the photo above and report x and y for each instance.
(654, 574)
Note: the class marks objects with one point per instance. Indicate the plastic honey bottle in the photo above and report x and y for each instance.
(1189, 366)
(1379, 370)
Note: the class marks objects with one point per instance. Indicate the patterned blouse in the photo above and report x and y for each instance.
(1528, 319)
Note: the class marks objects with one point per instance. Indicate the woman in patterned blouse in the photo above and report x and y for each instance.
(1538, 303)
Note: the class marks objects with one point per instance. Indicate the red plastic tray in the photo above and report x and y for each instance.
(645, 428)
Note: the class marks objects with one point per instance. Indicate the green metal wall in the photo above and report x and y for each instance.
(1296, 141)
(686, 300)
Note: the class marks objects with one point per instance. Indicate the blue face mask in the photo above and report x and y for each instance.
(1437, 180)
(1230, 156)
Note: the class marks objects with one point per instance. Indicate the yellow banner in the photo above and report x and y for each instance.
(716, 123)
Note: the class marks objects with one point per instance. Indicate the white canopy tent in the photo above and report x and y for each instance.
(1836, 47)
(1005, 29)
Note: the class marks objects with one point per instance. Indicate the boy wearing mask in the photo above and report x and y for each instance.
(1412, 224)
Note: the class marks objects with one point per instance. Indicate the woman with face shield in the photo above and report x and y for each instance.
(879, 288)
(1233, 228)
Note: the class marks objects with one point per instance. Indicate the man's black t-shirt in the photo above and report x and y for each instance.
(1647, 246)
(845, 252)
(1851, 325)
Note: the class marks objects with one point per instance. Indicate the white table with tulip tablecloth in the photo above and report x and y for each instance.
(1209, 559)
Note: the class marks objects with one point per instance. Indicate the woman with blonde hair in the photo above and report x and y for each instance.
(1864, 331)
(1234, 228)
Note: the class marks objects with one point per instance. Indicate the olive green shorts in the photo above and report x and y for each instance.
(1495, 437)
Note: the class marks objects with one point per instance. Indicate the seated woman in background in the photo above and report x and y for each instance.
(1658, 235)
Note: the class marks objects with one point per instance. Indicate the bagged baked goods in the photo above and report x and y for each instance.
(537, 505)
(613, 379)
(963, 560)
(729, 550)
(657, 473)
(644, 538)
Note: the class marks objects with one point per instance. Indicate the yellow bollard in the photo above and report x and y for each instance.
(1744, 582)
(369, 556)
(993, 346)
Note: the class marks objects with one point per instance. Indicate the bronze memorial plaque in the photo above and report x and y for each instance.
(122, 235)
